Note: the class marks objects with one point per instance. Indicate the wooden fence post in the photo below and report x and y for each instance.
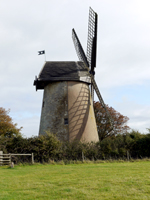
(82, 156)
(128, 155)
(1, 158)
(10, 159)
(32, 158)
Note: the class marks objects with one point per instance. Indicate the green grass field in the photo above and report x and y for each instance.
(127, 180)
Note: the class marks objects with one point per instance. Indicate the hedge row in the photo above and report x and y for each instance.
(46, 148)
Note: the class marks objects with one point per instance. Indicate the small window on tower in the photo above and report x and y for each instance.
(43, 104)
(65, 121)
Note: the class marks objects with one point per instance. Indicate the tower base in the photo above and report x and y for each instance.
(67, 111)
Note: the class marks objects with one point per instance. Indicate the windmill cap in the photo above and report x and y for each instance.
(62, 71)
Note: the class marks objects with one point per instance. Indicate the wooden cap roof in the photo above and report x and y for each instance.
(62, 71)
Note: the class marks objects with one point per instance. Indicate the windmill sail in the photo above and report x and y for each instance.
(79, 49)
(101, 101)
(92, 44)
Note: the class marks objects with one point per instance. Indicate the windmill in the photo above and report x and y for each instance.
(67, 107)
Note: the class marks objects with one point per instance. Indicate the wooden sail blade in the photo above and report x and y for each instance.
(79, 49)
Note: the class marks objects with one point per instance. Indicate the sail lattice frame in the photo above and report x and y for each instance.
(92, 35)
(78, 47)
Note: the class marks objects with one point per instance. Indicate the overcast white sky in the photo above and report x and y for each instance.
(123, 61)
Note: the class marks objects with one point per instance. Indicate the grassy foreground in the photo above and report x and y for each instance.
(128, 180)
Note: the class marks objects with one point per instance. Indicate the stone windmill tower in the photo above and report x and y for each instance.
(67, 108)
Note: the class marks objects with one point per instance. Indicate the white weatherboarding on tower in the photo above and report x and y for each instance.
(67, 108)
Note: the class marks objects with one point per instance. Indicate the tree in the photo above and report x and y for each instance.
(7, 127)
(103, 124)
(148, 130)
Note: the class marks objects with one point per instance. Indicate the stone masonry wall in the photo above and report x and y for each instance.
(54, 115)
